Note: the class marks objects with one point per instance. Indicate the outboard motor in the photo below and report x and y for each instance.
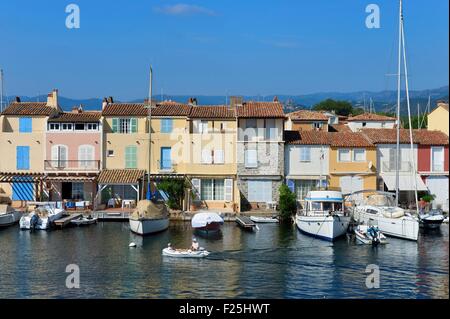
(34, 221)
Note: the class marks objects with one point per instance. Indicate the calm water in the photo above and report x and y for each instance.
(276, 262)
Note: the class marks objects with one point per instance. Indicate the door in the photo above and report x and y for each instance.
(22, 190)
(66, 190)
(166, 159)
(86, 157)
(59, 156)
(437, 159)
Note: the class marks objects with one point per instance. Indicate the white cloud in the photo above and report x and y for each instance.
(184, 9)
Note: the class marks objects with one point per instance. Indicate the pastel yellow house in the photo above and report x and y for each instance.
(22, 143)
(353, 162)
(438, 118)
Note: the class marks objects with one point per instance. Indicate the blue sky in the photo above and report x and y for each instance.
(217, 47)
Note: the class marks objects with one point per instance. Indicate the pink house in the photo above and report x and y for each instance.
(73, 149)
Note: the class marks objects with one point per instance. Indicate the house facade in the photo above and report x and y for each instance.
(370, 120)
(23, 126)
(260, 145)
(438, 118)
(305, 120)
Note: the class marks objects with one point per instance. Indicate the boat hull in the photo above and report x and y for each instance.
(326, 228)
(263, 219)
(184, 253)
(43, 223)
(404, 227)
(148, 226)
(9, 219)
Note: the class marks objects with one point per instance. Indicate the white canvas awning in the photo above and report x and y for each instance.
(406, 183)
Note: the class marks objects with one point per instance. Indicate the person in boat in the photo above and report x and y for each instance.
(169, 246)
(194, 246)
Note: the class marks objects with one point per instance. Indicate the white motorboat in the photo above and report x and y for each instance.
(369, 235)
(8, 215)
(323, 215)
(42, 217)
(379, 210)
(82, 221)
(207, 222)
(258, 219)
(149, 217)
(185, 253)
(445, 220)
(431, 220)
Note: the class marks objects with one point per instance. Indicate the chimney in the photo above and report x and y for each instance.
(236, 101)
(77, 109)
(17, 100)
(192, 101)
(104, 103)
(52, 99)
(275, 98)
(110, 100)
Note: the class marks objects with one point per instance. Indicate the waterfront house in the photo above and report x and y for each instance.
(438, 118)
(260, 145)
(370, 120)
(211, 165)
(73, 153)
(23, 127)
(305, 120)
(306, 161)
(385, 141)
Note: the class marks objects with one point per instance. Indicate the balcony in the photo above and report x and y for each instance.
(166, 167)
(390, 167)
(71, 166)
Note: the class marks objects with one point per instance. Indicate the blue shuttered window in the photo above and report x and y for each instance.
(166, 125)
(25, 125)
(23, 157)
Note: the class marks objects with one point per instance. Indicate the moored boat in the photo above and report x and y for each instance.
(431, 220)
(149, 217)
(41, 218)
(185, 253)
(8, 215)
(82, 221)
(207, 222)
(369, 235)
(258, 219)
(323, 215)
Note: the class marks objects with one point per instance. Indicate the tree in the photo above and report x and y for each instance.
(288, 202)
(175, 190)
(340, 107)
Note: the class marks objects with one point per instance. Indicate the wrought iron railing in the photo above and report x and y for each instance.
(72, 165)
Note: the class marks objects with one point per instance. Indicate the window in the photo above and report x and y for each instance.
(67, 126)
(223, 127)
(305, 154)
(317, 125)
(391, 165)
(344, 155)
(53, 127)
(124, 125)
(25, 125)
(166, 125)
(166, 158)
(203, 127)
(437, 159)
(212, 189)
(383, 124)
(77, 191)
(59, 156)
(251, 158)
(271, 130)
(131, 157)
(219, 157)
(110, 153)
(79, 127)
(359, 155)
(86, 156)
(302, 187)
(364, 124)
(250, 129)
(92, 126)
(259, 191)
(23, 157)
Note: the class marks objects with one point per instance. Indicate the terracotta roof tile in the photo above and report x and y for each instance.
(120, 176)
(389, 136)
(83, 117)
(306, 137)
(167, 108)
(212, 111)
(426, 137)
(29, 108)
(338, 128)
(306, 115)
(371, 117)
(349, 139)
(334, 139)
(260, 110)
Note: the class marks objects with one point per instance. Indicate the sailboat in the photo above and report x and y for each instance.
(379, 209)
(150, 216)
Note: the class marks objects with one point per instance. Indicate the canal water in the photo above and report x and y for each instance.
(275, 262)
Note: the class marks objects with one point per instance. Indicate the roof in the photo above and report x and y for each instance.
(441, 105)
(21, 177)
(338, 128)
(29, 108)
(120, 176)
(260, 110)
(370, 117)
(334, 139)
(83, 117)
(389, 136)
(167, 108)
(212, 111)
(306, 115)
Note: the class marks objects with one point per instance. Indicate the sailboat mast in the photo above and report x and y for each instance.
(150, 95)
(1, 90)
(397, 176)
(409, 119)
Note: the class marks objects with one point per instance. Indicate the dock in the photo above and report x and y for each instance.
(62, 222)
(245, 222)
(112, 215)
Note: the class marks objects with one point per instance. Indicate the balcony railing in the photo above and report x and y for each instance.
(72, 165)
(166, 167)
(391, 167)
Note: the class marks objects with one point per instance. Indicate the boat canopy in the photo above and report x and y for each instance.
(149, 209)
(204, 219)
(324, 196)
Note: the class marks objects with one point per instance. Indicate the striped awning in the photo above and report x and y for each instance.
(120, 176)
(21, 177)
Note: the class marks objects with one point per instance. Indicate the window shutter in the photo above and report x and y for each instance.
(228, 196)
(196, 183)
(251, 158)
(206, 157)
(291, 185)
(218, 157)
(133, 125)
(115, 125)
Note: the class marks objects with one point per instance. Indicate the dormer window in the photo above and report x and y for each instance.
(67, 126)
(54, 127)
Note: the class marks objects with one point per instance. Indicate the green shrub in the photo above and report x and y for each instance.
(288, 203)
(175, 190)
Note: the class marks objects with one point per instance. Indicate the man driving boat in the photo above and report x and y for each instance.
(194, 246)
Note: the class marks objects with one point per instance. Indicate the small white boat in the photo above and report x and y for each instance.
(185, 253)
(84, 221)
(41, 218)
(207, 222)
(258, 219)
(369, 235)
(149, 217)
(432, 219)
(8, 215)
(445, 220)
